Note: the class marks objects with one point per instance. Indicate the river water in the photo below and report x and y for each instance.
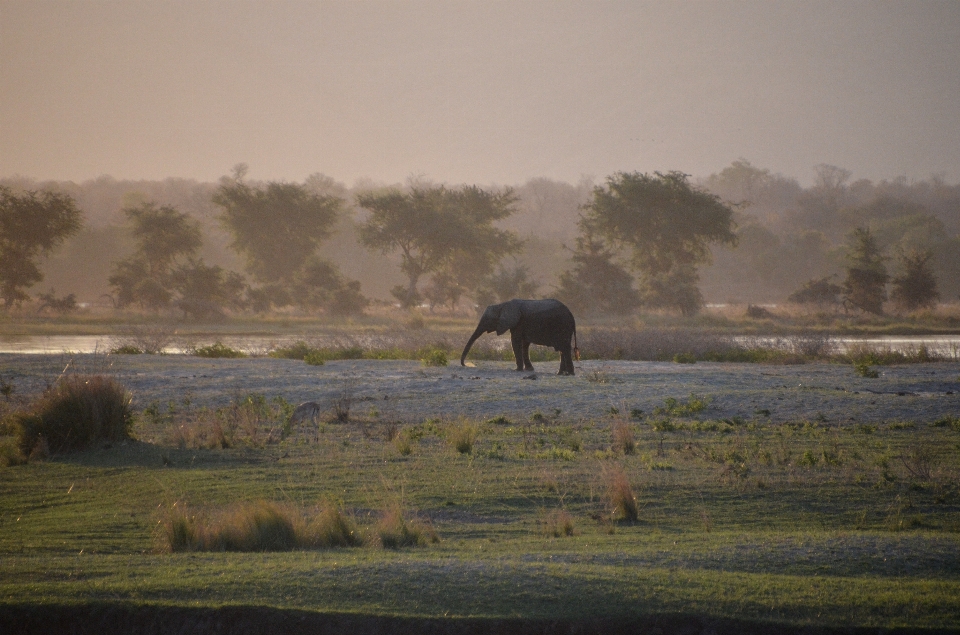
(943, 345)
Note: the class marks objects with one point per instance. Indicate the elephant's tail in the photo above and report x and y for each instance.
(576, 349)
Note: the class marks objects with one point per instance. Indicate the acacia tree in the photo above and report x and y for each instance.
(440, 231)
(597, 283)
(32, 224)
(666, 225)
(164, 237)
(916, 286)
(865, 285)
(278, 228)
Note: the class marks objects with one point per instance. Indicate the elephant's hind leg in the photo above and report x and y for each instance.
(566, 362)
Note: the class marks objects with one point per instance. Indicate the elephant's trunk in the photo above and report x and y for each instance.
(466, 349)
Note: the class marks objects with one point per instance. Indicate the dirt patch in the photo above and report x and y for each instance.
(408, 391)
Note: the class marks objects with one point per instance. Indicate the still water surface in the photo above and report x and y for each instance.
(947, 345)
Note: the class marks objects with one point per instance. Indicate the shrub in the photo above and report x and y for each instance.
(675, 408)
(10, 453)
(620, 495)
(435, 357)
(297, 350)
(395, 531)
(78, 411)
(863, 369)
(218, 350)
(685, 358)
(314, 358)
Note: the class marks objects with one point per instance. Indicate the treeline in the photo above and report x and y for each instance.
(743, 235)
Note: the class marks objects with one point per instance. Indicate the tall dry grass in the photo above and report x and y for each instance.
(257, 526)
(620, 496)
(395, 531)
(76, 412)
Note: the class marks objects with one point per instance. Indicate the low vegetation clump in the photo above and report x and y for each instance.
(435, 357)
(218, 350)
(250, 420)
(76, 412)
(620, 497)
(863, 369)
(257, 526)
(675, 408)
(394, 531)
(314, 358)
(462, 436)
(861, 354)
(623, 440)
(127, 349)
(559, 523)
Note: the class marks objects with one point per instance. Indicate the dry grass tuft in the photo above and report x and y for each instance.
(559, 523)
(620, 496)
(395, 531)
(257, 526)
(75, 413)
(623, 440)
(462, 436)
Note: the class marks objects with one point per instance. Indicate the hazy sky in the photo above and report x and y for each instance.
(479, 92)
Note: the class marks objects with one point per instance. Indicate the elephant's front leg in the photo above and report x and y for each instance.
(518, 352)
(526, 355)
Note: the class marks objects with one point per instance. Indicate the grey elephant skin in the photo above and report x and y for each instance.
(543, 322)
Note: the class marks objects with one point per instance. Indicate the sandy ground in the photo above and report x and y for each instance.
(408, 391)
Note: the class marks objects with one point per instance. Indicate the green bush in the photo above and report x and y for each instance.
(863, 369)
(314, 358)
(78, 411)
(10, 453)
(218, 350)
(298, 350)
(434, 357)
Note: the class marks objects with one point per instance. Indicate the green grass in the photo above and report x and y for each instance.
(805, 523)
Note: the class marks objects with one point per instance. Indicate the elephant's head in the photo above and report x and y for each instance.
(496, 317)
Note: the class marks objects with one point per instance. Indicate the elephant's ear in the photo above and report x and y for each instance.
(509, 317)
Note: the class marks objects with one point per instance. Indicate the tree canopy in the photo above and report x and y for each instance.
(31, 225)
(439, 230)
(667, 227)
(597, 283)
(164, 236)
(865, 285)
(276, 226)
(916, 285)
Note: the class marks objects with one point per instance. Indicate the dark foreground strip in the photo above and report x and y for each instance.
(105, 619)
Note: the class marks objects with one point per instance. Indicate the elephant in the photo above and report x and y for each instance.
(544, 322)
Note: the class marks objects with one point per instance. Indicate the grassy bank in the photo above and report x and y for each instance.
(743, 522)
